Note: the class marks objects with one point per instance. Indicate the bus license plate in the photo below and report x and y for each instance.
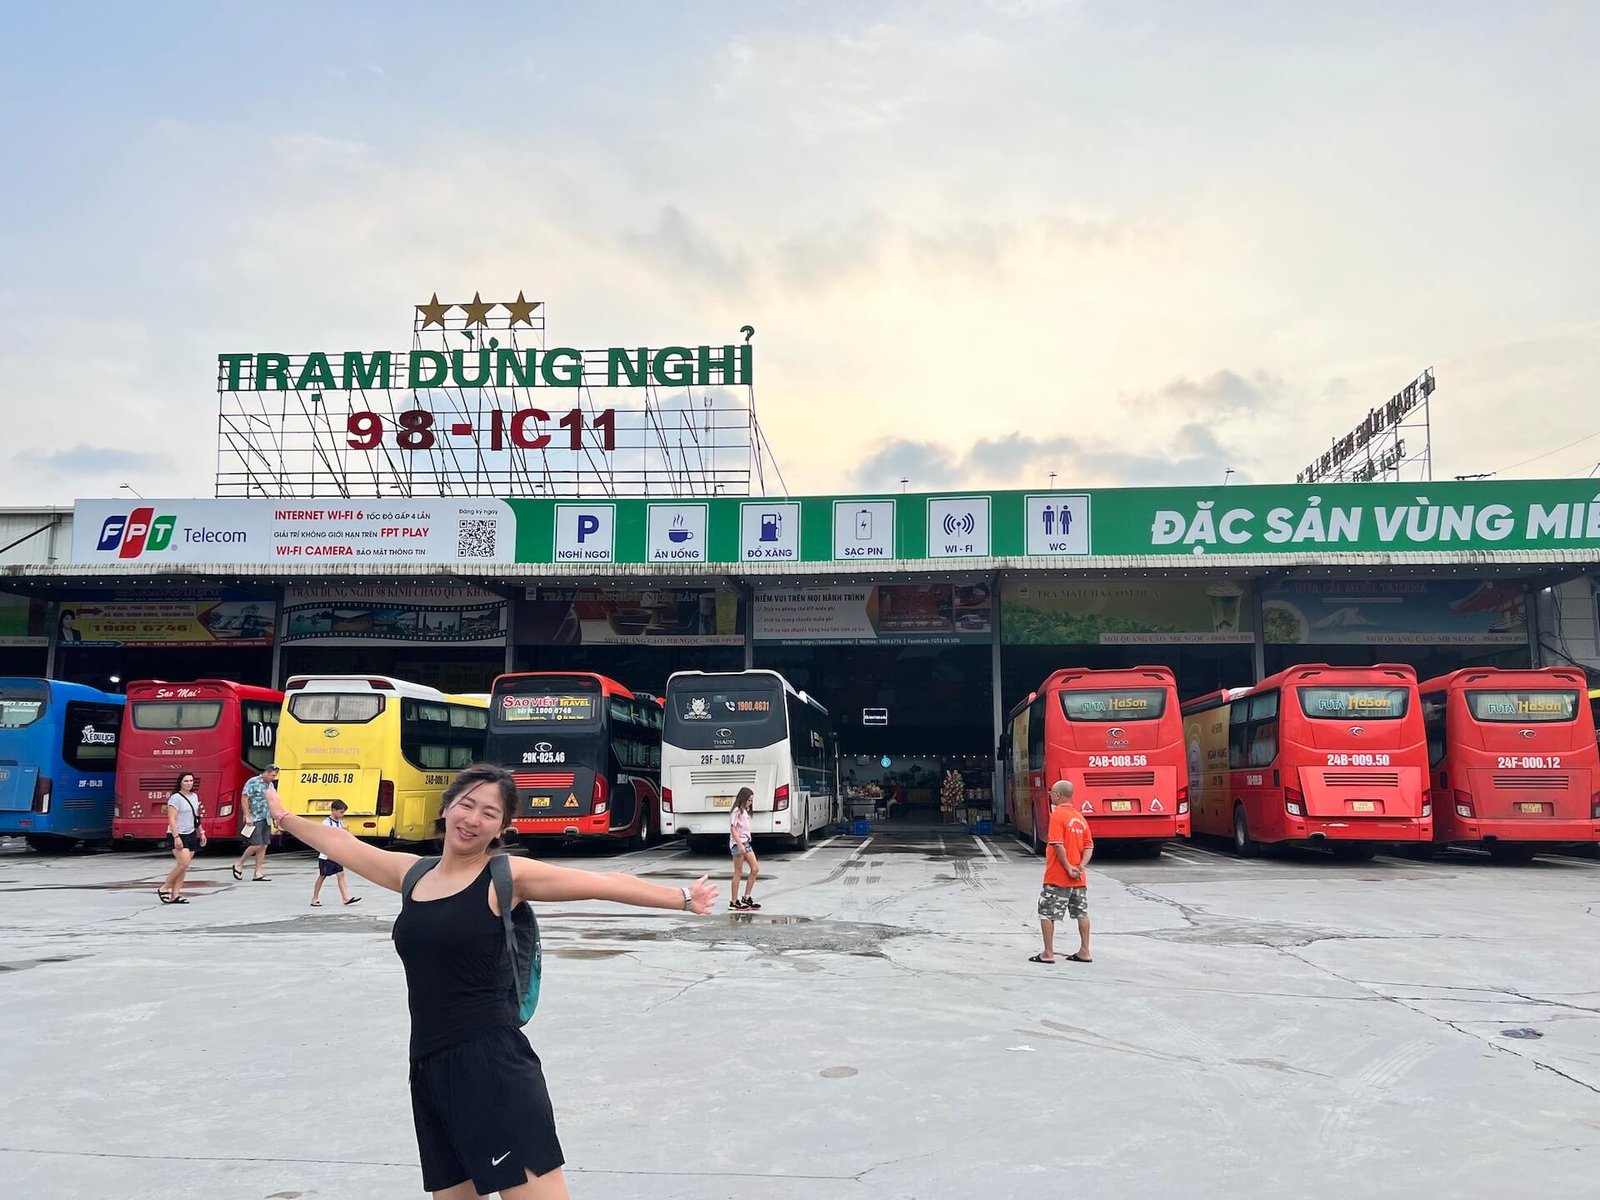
(721, 801)
(538, 801)
(320, 806)
(1530, 807)
(1119, 805)
(1363, 806)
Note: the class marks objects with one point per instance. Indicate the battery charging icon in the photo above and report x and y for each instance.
(863, 525)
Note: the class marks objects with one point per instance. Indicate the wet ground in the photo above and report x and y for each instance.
(1281, 1027)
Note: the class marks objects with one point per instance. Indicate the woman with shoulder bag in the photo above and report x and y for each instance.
(187, 834)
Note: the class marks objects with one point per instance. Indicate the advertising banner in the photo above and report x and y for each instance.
(223, 617)
(375, 616)
(1126, 612)
(883, 614)
(291, 531)
(1394, 612)
(23, 621)
(658, 617)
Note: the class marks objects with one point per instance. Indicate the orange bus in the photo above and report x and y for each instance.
(1118, 737)
(585, 752)
(1514, 761)
(1316, 755)
(224, 732)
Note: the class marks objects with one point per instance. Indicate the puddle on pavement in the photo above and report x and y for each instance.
(27, 964)
(838, 1072)
(1521, 1034)
(582, 952)
(694, 874)
(121, 885)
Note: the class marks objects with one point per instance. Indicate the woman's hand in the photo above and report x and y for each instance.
(703, 895)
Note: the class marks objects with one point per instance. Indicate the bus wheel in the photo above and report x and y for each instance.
(49, 843)
(641, 839)
(1152, 849)
(1501, 852)
(802, 840)
(1243, 844)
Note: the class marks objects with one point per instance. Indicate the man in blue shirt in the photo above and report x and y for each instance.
(257, 818)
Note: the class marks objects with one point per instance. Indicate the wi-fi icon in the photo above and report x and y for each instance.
(965, 523)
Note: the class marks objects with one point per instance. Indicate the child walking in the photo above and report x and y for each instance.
(326, 866)
(739, 846)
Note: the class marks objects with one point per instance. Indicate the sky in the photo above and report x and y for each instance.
(1133, 243)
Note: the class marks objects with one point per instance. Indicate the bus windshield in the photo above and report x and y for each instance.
(176, 714)
(21, 704)
(1523, 707)
(1119, 704)
(1354, 704)
(714, 714)
(335, 708)
(564, 703)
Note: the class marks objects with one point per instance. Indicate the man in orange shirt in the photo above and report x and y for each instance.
(1066, 877)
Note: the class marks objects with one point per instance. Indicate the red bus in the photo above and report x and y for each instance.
(1514, 761)
(224, 732)
(585, 752)
(1118, 737)
(1319, 755)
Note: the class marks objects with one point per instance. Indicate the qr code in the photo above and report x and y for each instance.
(475, 539)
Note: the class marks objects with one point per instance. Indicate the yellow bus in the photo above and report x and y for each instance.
(386, 747)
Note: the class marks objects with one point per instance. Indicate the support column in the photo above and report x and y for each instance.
(1530, 605)
(997, 800)
(747, 594)
(280, 627)
(1258, 643)
(53, 625)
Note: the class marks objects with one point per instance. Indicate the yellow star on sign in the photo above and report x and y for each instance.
(433, 312)
(477, 311)
(521, 310)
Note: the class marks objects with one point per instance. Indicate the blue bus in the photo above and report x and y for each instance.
(58, 761)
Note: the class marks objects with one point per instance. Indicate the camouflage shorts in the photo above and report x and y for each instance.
(1058, 903)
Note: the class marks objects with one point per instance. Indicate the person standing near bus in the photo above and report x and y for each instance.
(258, 818)
(188, 835)
(327, 866)
(478, 1096)
(1066, 875)
(740, 846)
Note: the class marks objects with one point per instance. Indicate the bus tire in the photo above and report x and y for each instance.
(1244, 845)
(1152, 849)
(1354, 851)
(802, 840)
(49, 843)
(1512, 852)
(641, 839)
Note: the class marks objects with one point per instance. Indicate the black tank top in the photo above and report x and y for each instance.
(453, 949)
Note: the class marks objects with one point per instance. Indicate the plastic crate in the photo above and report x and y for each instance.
(860, 827)
(983, 828)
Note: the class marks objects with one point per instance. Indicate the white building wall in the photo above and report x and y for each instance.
(51, 544)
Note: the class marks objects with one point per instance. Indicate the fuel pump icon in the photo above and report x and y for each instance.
(770, 524)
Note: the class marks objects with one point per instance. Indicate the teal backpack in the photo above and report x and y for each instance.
(524, 954)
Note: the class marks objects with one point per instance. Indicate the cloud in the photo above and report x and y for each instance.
(1194, 456)
(680, 248)
(1225, 394)
(84, 459)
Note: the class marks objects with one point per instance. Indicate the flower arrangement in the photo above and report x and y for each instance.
(951, 792)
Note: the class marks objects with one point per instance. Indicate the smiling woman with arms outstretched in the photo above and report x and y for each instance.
(478, 1096)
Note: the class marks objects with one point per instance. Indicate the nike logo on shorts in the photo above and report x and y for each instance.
(495, 1162)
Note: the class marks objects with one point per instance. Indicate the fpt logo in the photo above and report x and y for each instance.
(138, 531)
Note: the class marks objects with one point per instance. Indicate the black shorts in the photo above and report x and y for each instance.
(326, 867)
(189, 841)
(483, 1113)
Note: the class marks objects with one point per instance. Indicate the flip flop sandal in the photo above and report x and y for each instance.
(316, 904)
(261, 879)
(1049, 962)
(353, 900)
(1075, 958)
(178, 900)
(164, 897)
(237, 873)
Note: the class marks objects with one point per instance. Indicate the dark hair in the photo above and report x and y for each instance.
(746, 799)
(470, 777)
(339, 806)
(178, 786)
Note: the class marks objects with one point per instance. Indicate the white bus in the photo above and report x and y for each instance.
(744, 729)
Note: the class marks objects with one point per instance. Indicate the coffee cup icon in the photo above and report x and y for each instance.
(678, 533)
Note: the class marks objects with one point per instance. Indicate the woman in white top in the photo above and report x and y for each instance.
(188, 835)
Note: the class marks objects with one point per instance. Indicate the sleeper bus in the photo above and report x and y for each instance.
(386, 747)
(223, 732)
(1514, 761)
(1117, 736)
(585, 752)
(1318, 755)
(58, 761)
(744, 729)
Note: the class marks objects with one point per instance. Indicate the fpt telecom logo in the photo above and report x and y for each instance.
(131, 534)
(144, 532)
